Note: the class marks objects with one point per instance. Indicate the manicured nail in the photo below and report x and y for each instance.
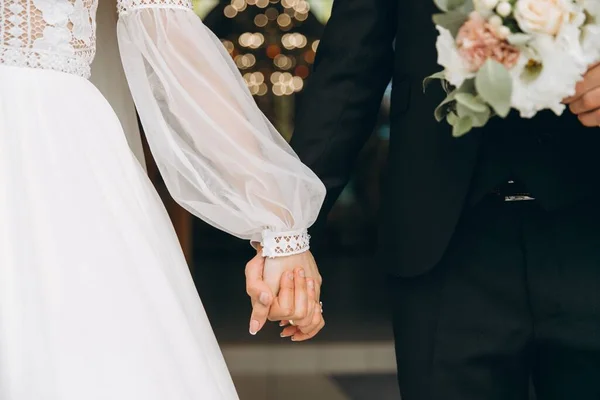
(264, 298)
(302, 274)
(282, 323)
(283, 335)
(290, 276)
(254, 325)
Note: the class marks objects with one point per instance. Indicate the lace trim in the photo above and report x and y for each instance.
(123, 6)
(32, 58)
(281, 244)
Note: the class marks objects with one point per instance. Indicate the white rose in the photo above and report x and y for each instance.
(593, 7)
(541, 16)
(455, 68)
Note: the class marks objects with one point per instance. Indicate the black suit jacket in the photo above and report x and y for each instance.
(429, 172)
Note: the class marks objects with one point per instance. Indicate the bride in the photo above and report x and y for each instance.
(96, 301)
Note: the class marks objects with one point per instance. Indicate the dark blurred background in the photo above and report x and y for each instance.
(273, 43)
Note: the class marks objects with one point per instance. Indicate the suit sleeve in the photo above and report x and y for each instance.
(353, 66)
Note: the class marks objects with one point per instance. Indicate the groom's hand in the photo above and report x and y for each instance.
(586, 101)
(306, 316)
(300, 268)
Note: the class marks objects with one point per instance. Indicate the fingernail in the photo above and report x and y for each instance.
(293, 339)
(302, 274)
(290, 276)
(311, 284)
(283, 335)
(281, 323)
(264, 298)
(254, 325)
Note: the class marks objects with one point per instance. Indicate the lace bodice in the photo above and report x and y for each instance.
(49, 34)
(56, 34)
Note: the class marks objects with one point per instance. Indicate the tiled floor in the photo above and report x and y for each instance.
(369, 387)
(357, 371)
(352, 359)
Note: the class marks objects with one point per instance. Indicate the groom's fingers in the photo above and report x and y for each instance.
(314, 322)
(283, 304)
(292, 304)
(300, 295)
(301, 337)
(289, 331)
(319, 323)
(311, 295)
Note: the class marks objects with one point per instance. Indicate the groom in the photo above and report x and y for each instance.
(491, 242)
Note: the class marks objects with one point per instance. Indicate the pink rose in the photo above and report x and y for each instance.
(477, 41)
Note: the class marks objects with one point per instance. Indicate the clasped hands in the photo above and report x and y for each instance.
(285, 289)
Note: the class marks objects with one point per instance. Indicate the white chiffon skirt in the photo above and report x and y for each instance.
(96, 300)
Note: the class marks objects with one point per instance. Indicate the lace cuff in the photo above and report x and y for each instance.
(281, 244)
(124, 6)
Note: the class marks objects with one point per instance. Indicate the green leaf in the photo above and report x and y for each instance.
(452, 20)
(438, 75)
(448, 5)
(467, 7)
(468, 86)
(494, 85)
(442, 109)
(473, 103)
(480, 119)
(462, 126)
(452, 118)
(462, 111)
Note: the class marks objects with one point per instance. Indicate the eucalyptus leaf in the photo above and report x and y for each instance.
(494, 85)
(473, 103)
(451, 20)
(462, 126)
(438, 75)
(448, 5)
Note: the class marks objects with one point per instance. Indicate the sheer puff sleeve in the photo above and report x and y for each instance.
(219, 156)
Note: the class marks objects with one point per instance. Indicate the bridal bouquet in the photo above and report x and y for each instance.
(499, 55)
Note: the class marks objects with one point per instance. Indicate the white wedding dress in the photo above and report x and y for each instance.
(96, 300)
